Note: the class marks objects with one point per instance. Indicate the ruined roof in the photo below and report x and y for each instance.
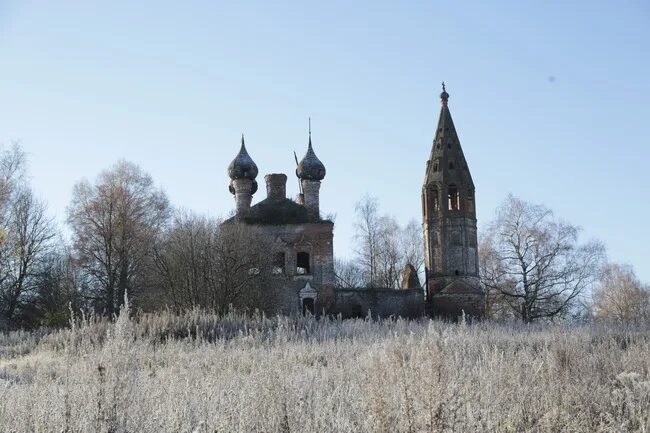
(278, 212)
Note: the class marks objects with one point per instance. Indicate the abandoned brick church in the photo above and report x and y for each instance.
(303, 240)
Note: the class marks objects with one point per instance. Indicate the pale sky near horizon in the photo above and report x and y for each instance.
(550, 100)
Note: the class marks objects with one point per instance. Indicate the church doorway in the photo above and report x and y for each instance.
(307, 306)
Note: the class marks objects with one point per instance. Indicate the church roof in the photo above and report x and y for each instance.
(277, 212)
(447, 164)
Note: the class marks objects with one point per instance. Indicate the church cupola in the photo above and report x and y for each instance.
(243, 166)
(242, 172)
(311, 171)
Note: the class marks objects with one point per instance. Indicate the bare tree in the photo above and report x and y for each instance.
(620, 296)
(28, 237)
(203, 263)
(383, 247)
(115, 223)
(368, 232)
(534, 263)
(348, 274)
(412, 244)
(12, 174)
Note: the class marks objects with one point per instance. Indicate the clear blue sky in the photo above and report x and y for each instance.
(550, 99)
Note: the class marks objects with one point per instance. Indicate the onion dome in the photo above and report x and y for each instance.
(243, 166)
(310, 168)
(444, 96)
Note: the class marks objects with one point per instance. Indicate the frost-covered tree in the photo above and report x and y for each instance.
(115, 223)
(533, 264)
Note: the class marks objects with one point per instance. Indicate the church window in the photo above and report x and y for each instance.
(451, 165)
(435, 167)
(302, 263)
(279, 263)
(435, 204)
(449, 145)
(454, 198)
(470, 202)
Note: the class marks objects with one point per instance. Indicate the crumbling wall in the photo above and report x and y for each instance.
(378, 302)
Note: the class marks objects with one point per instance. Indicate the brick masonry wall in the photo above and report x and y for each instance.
(378, 302)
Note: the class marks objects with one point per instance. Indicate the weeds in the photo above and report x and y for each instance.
(237, 373)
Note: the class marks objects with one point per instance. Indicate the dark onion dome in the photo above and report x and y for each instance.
(243, 166)
(310, 168)
(444, 96)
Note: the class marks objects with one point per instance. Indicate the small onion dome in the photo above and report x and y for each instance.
(310, 168)
(242, 167)
(444, 96)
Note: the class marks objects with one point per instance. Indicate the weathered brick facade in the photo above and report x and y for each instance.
(449, 222)
(303, 242)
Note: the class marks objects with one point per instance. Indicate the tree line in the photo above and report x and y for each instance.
(126, 239)
(532, 265)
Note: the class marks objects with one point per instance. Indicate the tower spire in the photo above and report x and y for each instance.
(310, 131)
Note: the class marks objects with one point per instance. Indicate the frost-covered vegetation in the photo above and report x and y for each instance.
(232, 373)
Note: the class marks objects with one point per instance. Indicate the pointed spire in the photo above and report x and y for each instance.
(444, 96)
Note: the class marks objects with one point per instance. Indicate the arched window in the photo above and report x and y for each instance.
(453, 198)
(302, 263)
(451, 165)
(435, 201)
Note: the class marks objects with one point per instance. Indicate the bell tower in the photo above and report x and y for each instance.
(449, 222)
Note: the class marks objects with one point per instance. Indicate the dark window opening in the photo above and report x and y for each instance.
(470, 202)
(307, 306)
(449, 145)
(451, 165)
(435, 167)
(279, 263)
(435, 204)
(454, 199)
(302, 263)
(456, 272)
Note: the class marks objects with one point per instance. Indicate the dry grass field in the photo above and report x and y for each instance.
(206, 373)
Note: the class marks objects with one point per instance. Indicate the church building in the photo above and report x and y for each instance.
(303, 247)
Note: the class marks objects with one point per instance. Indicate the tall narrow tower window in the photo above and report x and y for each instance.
(302, 263)
(454, 199)
(435, 202)
(470, 202)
